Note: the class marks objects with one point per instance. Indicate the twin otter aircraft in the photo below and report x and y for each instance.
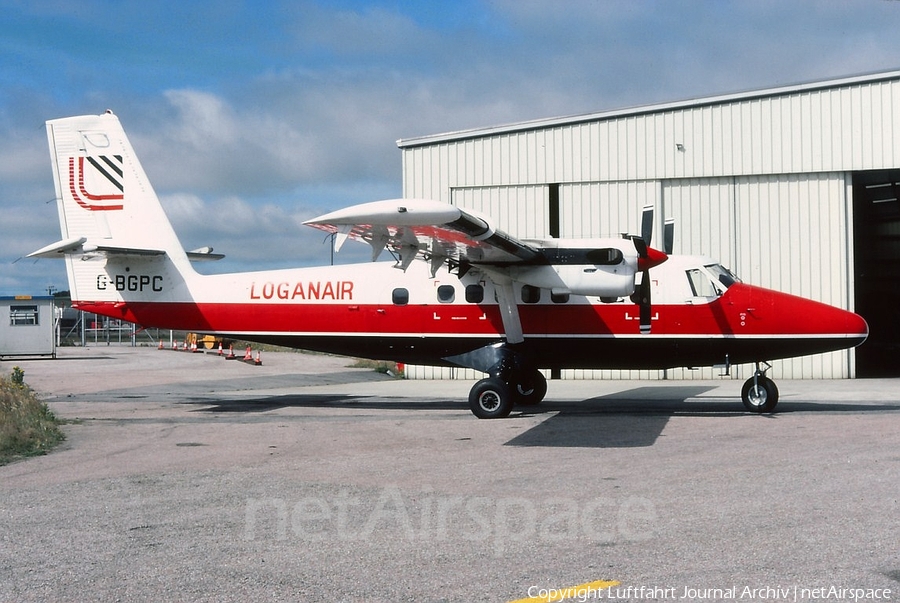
(461, 293)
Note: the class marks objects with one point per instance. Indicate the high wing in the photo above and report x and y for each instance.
(436, 231)
(440, 233)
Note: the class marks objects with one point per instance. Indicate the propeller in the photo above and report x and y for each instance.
(647, 259)
(669, 235)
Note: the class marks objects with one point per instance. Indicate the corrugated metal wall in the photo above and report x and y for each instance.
(840, 129)
(762, 185)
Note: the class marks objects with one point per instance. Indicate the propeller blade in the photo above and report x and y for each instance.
(669, 235)
(647, 224)
(640, 245)
(644, 302)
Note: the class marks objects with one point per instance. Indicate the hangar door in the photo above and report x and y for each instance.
(876, 226)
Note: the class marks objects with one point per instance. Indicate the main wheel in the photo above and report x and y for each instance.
(761, 396)
(490, 398)
(530, 389)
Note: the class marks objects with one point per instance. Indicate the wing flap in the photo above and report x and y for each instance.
(427, 229)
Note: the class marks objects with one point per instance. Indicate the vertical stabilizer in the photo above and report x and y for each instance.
(117, 241)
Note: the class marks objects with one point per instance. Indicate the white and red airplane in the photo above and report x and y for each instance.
(460, 293)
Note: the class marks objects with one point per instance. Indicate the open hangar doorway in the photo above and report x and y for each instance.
(876, 236)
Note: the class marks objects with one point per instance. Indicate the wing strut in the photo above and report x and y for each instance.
(509, 311)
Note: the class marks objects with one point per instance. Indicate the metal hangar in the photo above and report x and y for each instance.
(794, 188)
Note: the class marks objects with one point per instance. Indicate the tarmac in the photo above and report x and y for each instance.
(187, 477)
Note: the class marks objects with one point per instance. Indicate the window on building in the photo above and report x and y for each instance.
(22, 316)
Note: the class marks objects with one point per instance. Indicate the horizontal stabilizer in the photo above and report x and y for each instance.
(77, 246)
(58, 249)
(204, 254)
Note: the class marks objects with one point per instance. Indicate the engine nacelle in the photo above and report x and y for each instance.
(590, 280)
(591, 267)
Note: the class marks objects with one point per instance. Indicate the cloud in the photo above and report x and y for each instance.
(299, 113)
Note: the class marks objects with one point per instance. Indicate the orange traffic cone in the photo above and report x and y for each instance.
(258, 361)
(230, 355)
(249, 354)
(220, 349)
(160, 345)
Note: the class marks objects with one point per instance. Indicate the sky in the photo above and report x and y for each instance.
(251, 116)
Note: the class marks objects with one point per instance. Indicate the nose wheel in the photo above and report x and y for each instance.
(759, 394)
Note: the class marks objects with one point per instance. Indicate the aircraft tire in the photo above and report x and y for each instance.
(530, 390)
(761, 397)
(491, 398)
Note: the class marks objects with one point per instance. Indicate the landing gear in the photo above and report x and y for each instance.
(530, 388)
(759, 394)
(491, 398)
(494, 397)
(513, 380)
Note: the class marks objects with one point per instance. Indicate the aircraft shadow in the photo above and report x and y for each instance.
(336, 401)
(633, 418)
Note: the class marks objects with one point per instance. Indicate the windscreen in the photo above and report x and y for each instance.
(725, 276)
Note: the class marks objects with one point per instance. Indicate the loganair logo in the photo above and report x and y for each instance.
(97, 183)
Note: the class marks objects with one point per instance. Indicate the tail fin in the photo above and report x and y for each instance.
(117, 241)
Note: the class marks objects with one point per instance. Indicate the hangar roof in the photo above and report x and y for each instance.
(538, 124)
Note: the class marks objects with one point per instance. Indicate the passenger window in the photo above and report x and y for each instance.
(400, 296)
(446, 294)
(474, 294)
(701, 286)
(530, 294)
(559, 298)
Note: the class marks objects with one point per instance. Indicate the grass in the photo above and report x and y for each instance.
(27, 427)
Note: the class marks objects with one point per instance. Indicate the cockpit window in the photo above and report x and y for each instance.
(725, 276)
(712, 281)
(701, 285)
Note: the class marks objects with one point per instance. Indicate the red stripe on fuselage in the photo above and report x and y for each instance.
(742, 311)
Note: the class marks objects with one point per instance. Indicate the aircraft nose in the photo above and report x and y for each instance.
(789, 314)
(827, 319)
(857, 325)
(837, 322)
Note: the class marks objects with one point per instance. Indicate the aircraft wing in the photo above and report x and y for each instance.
(437, 231)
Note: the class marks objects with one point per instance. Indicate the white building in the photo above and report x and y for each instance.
(794, 188)
(27, 326)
